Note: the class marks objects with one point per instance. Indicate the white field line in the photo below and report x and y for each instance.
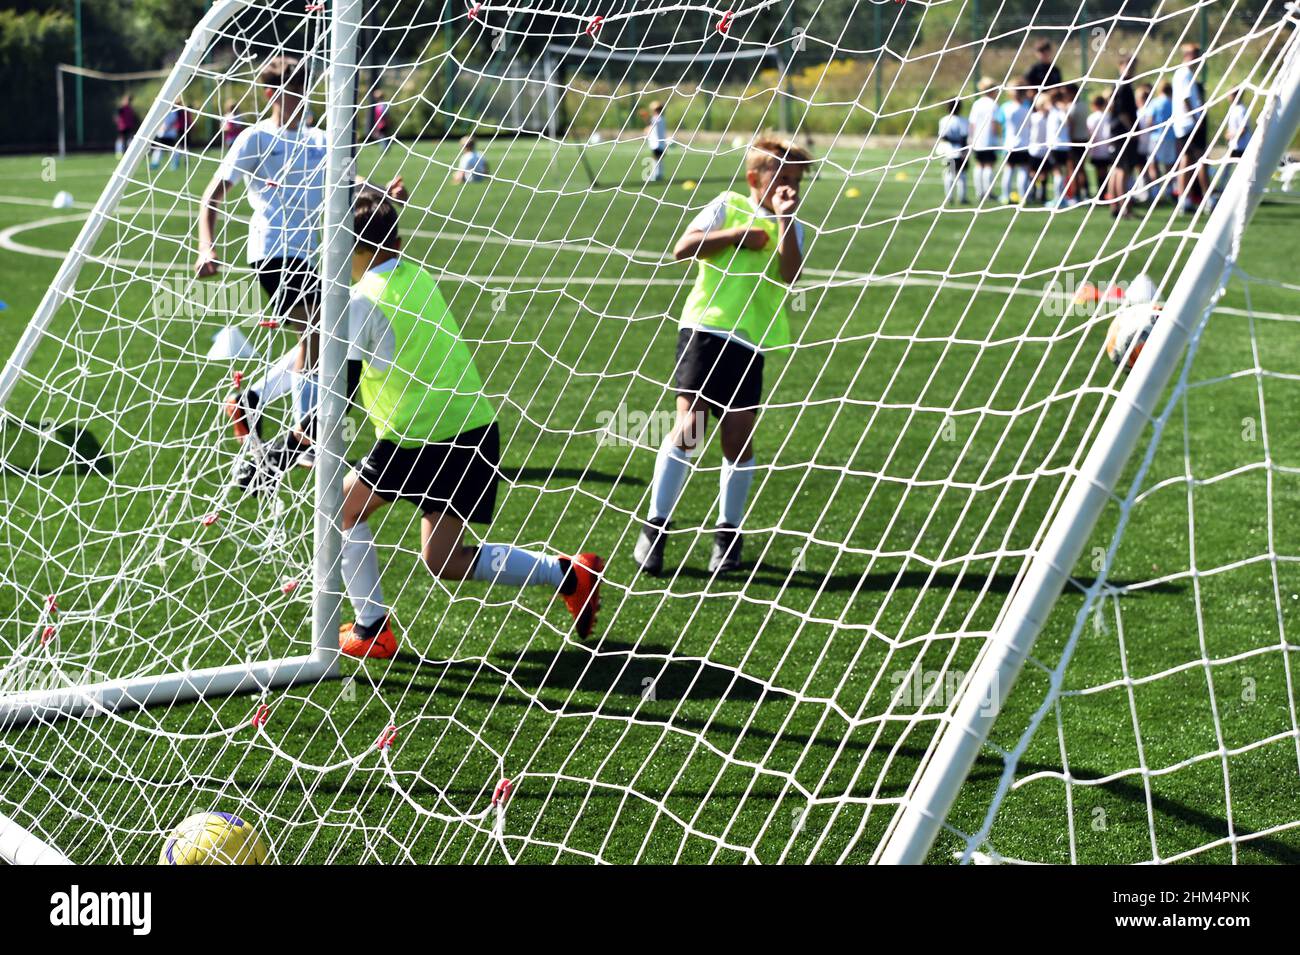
(834, 277)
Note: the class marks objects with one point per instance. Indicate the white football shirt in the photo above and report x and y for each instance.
(983, 113)
(1185, 92)
(284, 172)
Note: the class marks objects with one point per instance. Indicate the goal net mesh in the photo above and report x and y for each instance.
(946, 378)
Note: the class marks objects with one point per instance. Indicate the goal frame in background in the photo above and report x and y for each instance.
(16, 843)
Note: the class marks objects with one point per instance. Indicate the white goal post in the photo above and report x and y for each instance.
(1201, 282)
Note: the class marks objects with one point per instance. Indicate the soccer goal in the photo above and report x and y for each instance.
(1003, 599)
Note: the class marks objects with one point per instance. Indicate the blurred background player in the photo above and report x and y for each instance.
(231, 125)
(471, 166)
(1189, 128)
(749, 251)
(1101, 151)
(954, 134)
(1155, 120)
(985, 137)
(1060, 158)
(1015, 126)
(656, 137)
(1078, 114)
(126, 122)
(1238, 124)
(171, 136)
(380, 122)
(437, 443)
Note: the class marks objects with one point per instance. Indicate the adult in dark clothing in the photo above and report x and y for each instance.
(1044, 74)
(1122, 123)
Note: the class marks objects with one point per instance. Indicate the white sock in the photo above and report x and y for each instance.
(672, 468)
(961, 186)
(1007, 174)
(304, 396)
(733, 490)
(949, 180)
(507, 564)
(361, 575)
(278, 380)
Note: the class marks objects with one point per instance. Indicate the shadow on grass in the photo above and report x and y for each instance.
(771, 575)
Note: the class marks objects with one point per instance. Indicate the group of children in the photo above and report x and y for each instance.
(437, 441)
(1141, 142)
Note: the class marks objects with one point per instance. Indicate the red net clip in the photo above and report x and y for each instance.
(473, 11)
(501, 795)
(386, 738)
(289, 585)
(725, 23)
(594, 26)
(315, 7)
(51, 604)
(238, 378)
(268, 323)
(210, 519)
(261, 715)
(47, 635)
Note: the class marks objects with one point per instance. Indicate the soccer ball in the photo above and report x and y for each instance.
(1128, 332)
(63, 200)
(213, 838)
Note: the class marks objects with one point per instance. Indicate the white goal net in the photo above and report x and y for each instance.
(943, 444)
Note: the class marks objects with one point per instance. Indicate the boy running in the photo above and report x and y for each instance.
(750, 251)
(437, 442)
(282, 162)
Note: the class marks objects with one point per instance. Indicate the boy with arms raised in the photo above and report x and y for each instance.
(750, 251)
(437, 442)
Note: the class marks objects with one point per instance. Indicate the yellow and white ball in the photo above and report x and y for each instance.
(213, 838)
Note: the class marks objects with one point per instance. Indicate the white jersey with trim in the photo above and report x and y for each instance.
(284, 175)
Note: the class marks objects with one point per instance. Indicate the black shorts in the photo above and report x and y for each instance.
(986, 157)
(723, 372)
(290, 283)
(657, 153)
(458, 476)
(1020, 158)
(1195, 138)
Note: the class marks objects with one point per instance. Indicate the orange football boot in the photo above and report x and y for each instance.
(585, 599)
(376, 646)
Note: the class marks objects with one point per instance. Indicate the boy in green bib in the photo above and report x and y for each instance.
(437, 442)
(749, 250)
